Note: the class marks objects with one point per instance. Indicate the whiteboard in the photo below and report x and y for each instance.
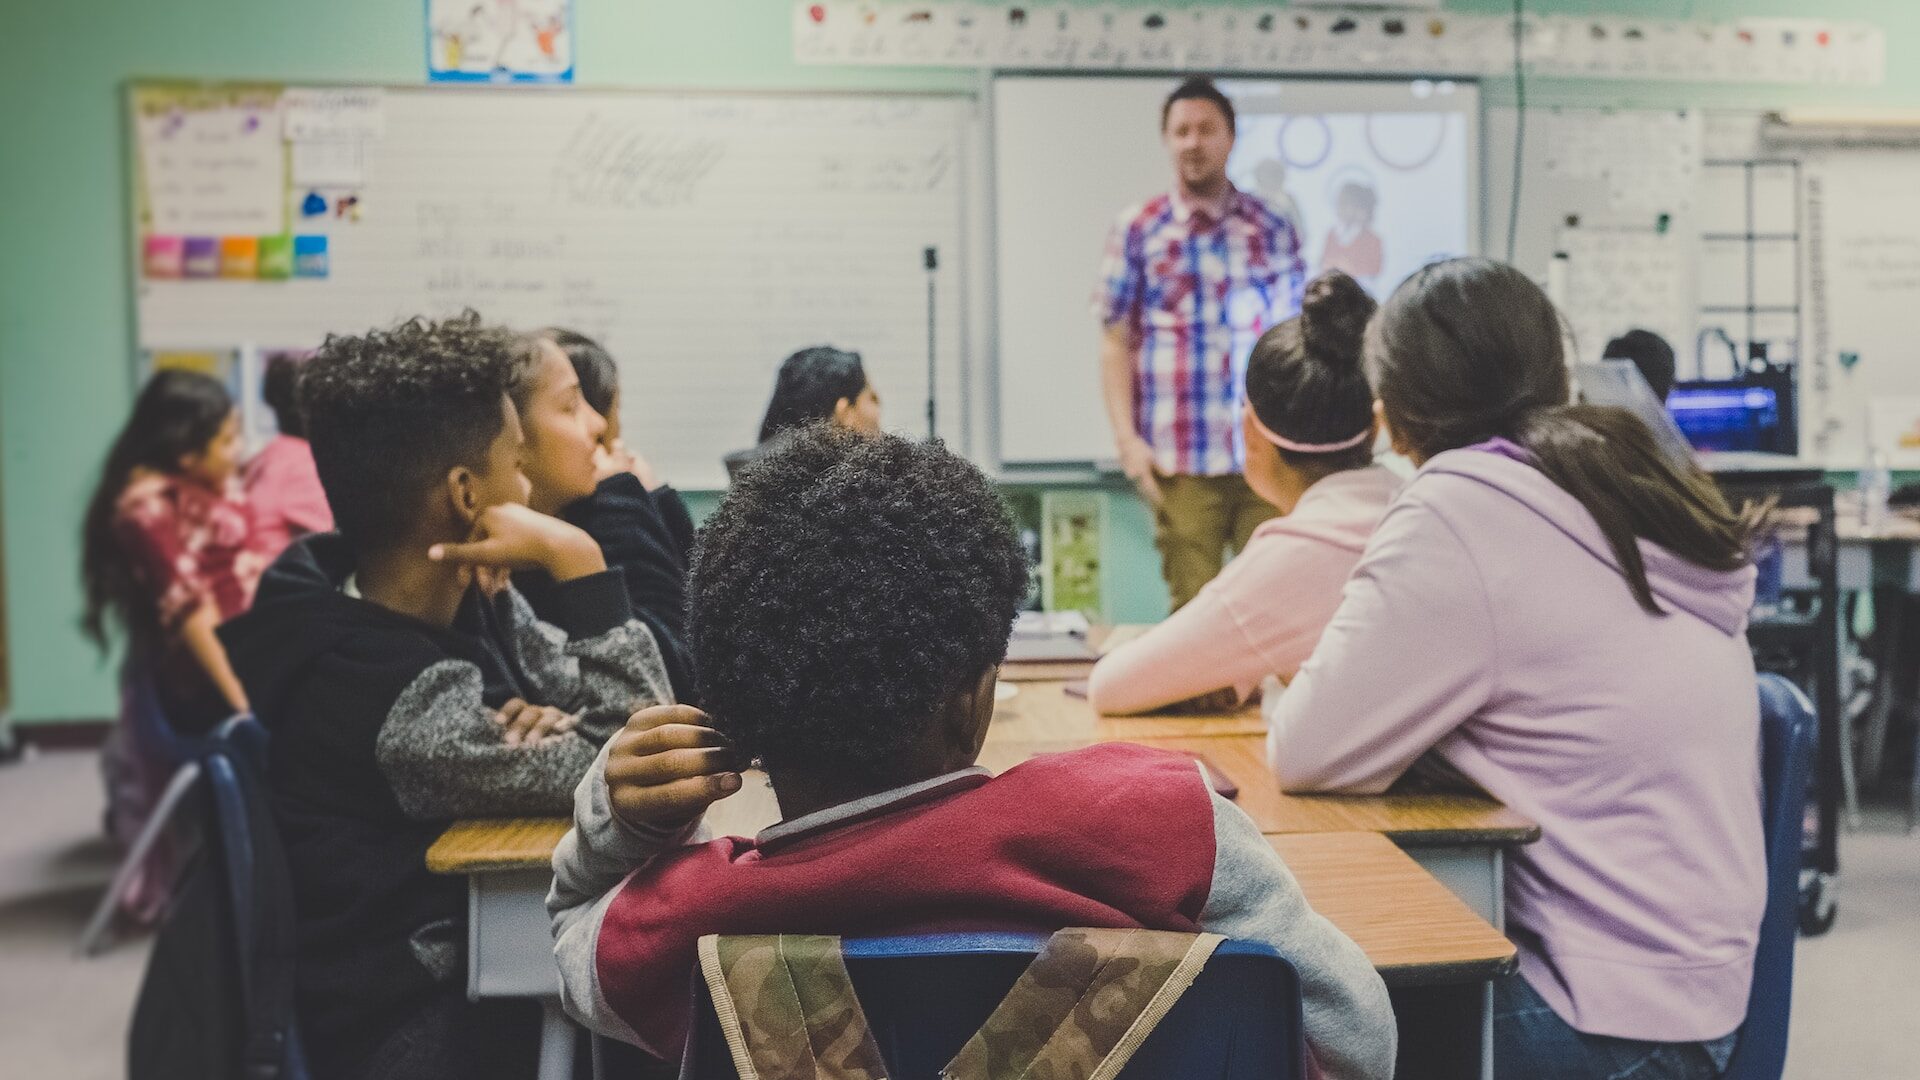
(1866, 247)
(700, 237)
(1071, 153)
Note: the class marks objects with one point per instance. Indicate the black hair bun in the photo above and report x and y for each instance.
(1333, 319)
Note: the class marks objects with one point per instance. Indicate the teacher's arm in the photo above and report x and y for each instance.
(1116, 385)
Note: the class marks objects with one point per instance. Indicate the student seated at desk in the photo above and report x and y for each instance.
(1555, 610)
(1309, 434)
(852, 599)
(580, 472)
(405, 685)
(817, 383)
(283, 488)
(166, 548)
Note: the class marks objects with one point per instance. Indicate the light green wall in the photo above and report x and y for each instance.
(65, 358)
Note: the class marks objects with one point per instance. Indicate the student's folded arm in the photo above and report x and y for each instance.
(444, 754)
(589, 866)
(1349, 1020)
(1409, 656)
(1197, 650)
(595, 658)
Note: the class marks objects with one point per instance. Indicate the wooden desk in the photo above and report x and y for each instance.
(1431, 950)
(1043, 711)
(1459, 839)
(1414, 930)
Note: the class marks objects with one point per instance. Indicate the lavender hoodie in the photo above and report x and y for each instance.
(1488, 623)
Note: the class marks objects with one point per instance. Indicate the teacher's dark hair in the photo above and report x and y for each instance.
(1197, 88)
(1471, 349)
(1305, 381)
(811, 382)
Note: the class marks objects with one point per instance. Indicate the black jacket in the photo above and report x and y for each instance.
(648, 536)
(383, 733)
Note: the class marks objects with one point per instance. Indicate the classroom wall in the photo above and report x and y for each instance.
(65, 353)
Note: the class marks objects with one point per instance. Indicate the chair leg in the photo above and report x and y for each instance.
(94, 938)
(556, 1042)
(1913, 793)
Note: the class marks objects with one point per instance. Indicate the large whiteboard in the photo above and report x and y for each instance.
(700, 237)
(1071, 152)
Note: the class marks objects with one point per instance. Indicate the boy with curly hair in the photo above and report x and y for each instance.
(407, 685)
(850, 603)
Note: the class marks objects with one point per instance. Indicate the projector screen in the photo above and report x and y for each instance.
(1379, 178)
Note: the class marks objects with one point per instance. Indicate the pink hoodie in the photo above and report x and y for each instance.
(1488, 623)
(1264, 612)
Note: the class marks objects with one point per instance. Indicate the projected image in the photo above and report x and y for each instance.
(1376, 194)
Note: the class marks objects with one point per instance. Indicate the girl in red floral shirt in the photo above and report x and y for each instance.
(166, 552)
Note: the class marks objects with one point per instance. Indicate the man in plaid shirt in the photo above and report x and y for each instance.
(1190, 280)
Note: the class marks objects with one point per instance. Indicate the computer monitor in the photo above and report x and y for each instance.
(1729, 415)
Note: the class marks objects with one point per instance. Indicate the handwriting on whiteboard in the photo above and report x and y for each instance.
(608, 164)
(1619, 280)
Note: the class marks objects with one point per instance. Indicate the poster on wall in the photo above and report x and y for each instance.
(512, 41)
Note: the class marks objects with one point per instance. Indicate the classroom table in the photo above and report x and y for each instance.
(1436, 956)
(1460, 839)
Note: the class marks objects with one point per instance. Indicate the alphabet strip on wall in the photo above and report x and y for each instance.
(1322, 40)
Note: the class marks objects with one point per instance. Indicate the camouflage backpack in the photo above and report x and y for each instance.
(788, 1010)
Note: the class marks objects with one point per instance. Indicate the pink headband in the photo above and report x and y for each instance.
(1285, 443)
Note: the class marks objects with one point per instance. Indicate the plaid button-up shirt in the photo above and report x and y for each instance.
(1195, 293)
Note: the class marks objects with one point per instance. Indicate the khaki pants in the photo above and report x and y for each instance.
(1198, 519)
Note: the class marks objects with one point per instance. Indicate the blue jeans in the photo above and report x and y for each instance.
(1530, 1040)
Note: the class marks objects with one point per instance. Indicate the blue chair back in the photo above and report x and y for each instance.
(260, 892)
(925, 996)
(1787, 723)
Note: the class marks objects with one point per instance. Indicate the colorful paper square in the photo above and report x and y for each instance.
(309, 256)
(276, 257)
(240, 257)
(200, 257)
(164, 257)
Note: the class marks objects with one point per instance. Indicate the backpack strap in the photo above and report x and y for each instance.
(787, 1007)
(1084, 1005)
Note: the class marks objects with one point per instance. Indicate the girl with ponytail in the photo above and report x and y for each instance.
(1556, 612)
(1310, 432)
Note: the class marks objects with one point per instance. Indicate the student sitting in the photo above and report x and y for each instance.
(388, 723)
(165, 555)
(582, 473)
(852, 600)
(1555, 610)
(1651, 354)
(817, 383)
(165, 551)
(283, 488)
(1309, 433)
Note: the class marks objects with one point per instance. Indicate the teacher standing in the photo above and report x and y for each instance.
(1191, 279)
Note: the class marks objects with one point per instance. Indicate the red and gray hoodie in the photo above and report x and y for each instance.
(1110, 836)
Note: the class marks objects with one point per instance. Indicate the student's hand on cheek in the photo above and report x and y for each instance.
(510, 536)
(667, 766)
(533, 725)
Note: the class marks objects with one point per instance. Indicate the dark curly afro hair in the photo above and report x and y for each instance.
(391, 411)
(844, 591)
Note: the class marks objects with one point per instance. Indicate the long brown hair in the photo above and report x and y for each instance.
(1471, 349)
(177, 413)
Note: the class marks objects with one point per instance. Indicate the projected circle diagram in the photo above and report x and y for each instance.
(1304, 142)
(1407, 141)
